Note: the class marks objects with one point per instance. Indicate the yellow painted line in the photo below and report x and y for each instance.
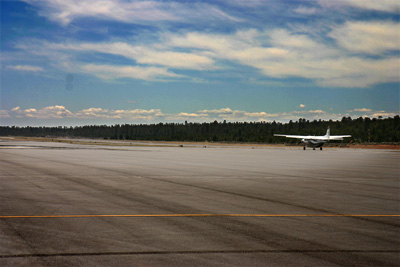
(199, 215)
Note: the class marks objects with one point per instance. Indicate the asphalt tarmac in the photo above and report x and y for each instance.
(96, 205)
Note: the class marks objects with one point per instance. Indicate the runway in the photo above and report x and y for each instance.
(96, 205)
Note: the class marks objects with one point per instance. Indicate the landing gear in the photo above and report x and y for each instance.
(313, 148)
(304, 148)
(320, 148)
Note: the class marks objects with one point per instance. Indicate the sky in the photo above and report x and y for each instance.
(81, 62)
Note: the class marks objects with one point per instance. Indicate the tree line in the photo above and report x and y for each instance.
(361, 129)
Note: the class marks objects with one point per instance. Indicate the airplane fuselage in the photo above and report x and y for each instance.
(313, 143)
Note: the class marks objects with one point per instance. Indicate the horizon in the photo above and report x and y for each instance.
(210, 122)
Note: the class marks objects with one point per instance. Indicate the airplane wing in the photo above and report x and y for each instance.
(296, 136)
(338, 137)
(312, 137)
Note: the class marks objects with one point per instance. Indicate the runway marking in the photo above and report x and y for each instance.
(198, 215)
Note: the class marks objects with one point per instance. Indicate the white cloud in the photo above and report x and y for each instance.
(50, 112)
(276, 53)
(292, 55)
(132, 114)
(392, 6)
(142, 54)
(219, 44)
(185, 115)
(93, 113)
(224, 114)
(25, 68)
(373, 37)
(318, 111)
(302, 106)
(66, 11)
(217, 111)
(327, 66)
(177, 60)
(114, 72)
(30, 110)
(384, 114)
(305, 10)
(359, 72)
(126, 11)
(361, 110)
(247, 3)
(156, 115)
(4, 114)
(240, 115)
(367, 112)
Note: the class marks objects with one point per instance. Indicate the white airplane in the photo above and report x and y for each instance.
(316, 141)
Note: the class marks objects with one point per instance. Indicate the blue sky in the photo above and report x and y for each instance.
(114, 61)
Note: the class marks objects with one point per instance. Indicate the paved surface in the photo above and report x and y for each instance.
(50, 179)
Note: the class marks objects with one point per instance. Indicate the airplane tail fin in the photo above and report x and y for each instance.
(328, 132)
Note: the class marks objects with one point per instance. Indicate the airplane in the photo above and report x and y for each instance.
(315, 141)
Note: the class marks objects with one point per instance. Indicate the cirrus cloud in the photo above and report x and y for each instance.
(277, 53)
(142, 73)
(139, 11)
(25, 68)
(305, 10)
(290, 54)
(381, 5)
(141, 54)
(372, 37)
(351, 54)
